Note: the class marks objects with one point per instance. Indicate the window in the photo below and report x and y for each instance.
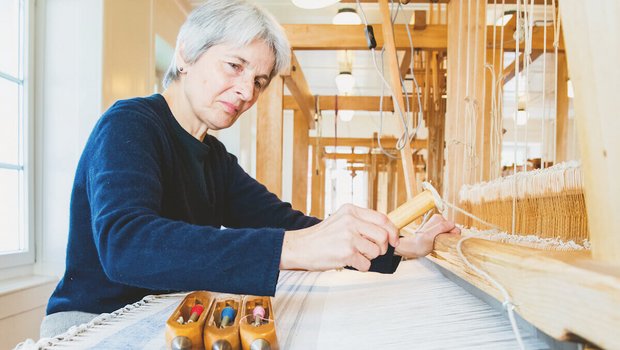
(16, 238)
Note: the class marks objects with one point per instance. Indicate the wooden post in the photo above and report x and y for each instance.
(394, 71)
(371, 180)
(321, 192)
(315, 198)
(391, 185)
(561, 122)
(300, 161)
(589, 33)
(436, 130)
(466, 42)
(375, 181)
(490, 169)
(296, 83)
(269, 137)
(401, 193)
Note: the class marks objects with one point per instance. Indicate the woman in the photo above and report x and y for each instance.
(153, 190)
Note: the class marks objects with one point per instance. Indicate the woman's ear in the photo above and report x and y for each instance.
(179, 58)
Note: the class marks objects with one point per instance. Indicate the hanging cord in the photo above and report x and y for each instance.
(372, 45)
(508, 304)
(544, 89)
(491, 67)
(514, 119)
(527, 60)
(468, 214)
(556, 44)
(416, 87)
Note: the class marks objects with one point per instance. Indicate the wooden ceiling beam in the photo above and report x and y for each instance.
(386, 142)
(350, 157)
(353, 103)
(433, 37)
(351, 37)
(298, 86)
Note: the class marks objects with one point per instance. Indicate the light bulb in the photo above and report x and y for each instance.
(347, 15)
(345, 82)
(521, 117)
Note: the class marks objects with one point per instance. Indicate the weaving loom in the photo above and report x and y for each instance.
(552, 254)
(312, 309)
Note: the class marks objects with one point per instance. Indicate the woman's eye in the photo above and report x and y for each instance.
(234, 66)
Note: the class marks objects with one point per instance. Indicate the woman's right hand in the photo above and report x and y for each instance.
(352, 236)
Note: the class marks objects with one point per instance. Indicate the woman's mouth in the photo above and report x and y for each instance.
(230, 108)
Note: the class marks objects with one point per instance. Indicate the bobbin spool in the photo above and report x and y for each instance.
(428, 199)
(217, 337)
(186, 336)
(263, 336)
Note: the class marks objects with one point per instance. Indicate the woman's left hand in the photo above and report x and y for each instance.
(422, 242)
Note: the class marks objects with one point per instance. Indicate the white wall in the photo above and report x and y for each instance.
(68, 68)
(68, 39)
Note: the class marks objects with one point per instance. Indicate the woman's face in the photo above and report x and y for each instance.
(225, 82)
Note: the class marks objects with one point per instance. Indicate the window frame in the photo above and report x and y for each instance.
(25, 78)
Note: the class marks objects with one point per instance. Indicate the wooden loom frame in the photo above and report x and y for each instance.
(570, 296)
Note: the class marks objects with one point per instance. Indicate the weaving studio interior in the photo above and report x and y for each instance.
(499, 115)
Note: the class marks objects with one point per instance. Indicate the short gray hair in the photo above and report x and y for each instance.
(236, 22)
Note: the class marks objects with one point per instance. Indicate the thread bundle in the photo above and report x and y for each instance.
(548, 203)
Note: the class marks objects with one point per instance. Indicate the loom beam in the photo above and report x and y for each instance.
(567, 295)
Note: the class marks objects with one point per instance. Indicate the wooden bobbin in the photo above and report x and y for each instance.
(262, 336)
(188, 335)
(417, 206)
(217, 337)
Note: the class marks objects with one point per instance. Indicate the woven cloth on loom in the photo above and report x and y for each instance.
(548, 203)
(417, 307)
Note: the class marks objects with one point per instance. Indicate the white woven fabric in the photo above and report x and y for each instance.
(417, 307)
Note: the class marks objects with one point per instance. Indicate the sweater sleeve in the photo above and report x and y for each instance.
(255, 206)
(250, 204)
(139, 247)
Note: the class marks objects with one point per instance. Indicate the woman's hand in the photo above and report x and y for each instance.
(421, 243)
(350, 237)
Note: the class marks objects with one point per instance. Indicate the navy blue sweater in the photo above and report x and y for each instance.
(147, 209)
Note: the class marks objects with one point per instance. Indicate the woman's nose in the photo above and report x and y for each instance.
(245, 88)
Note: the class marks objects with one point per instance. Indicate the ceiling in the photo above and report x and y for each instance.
(321, 67)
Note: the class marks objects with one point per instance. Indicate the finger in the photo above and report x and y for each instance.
(442, 226)
(379, 219)
(367, 248)
(456, 230)
(360, 263)
(394, 237)
(435, 229)
(373, 234)
(434, 220)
